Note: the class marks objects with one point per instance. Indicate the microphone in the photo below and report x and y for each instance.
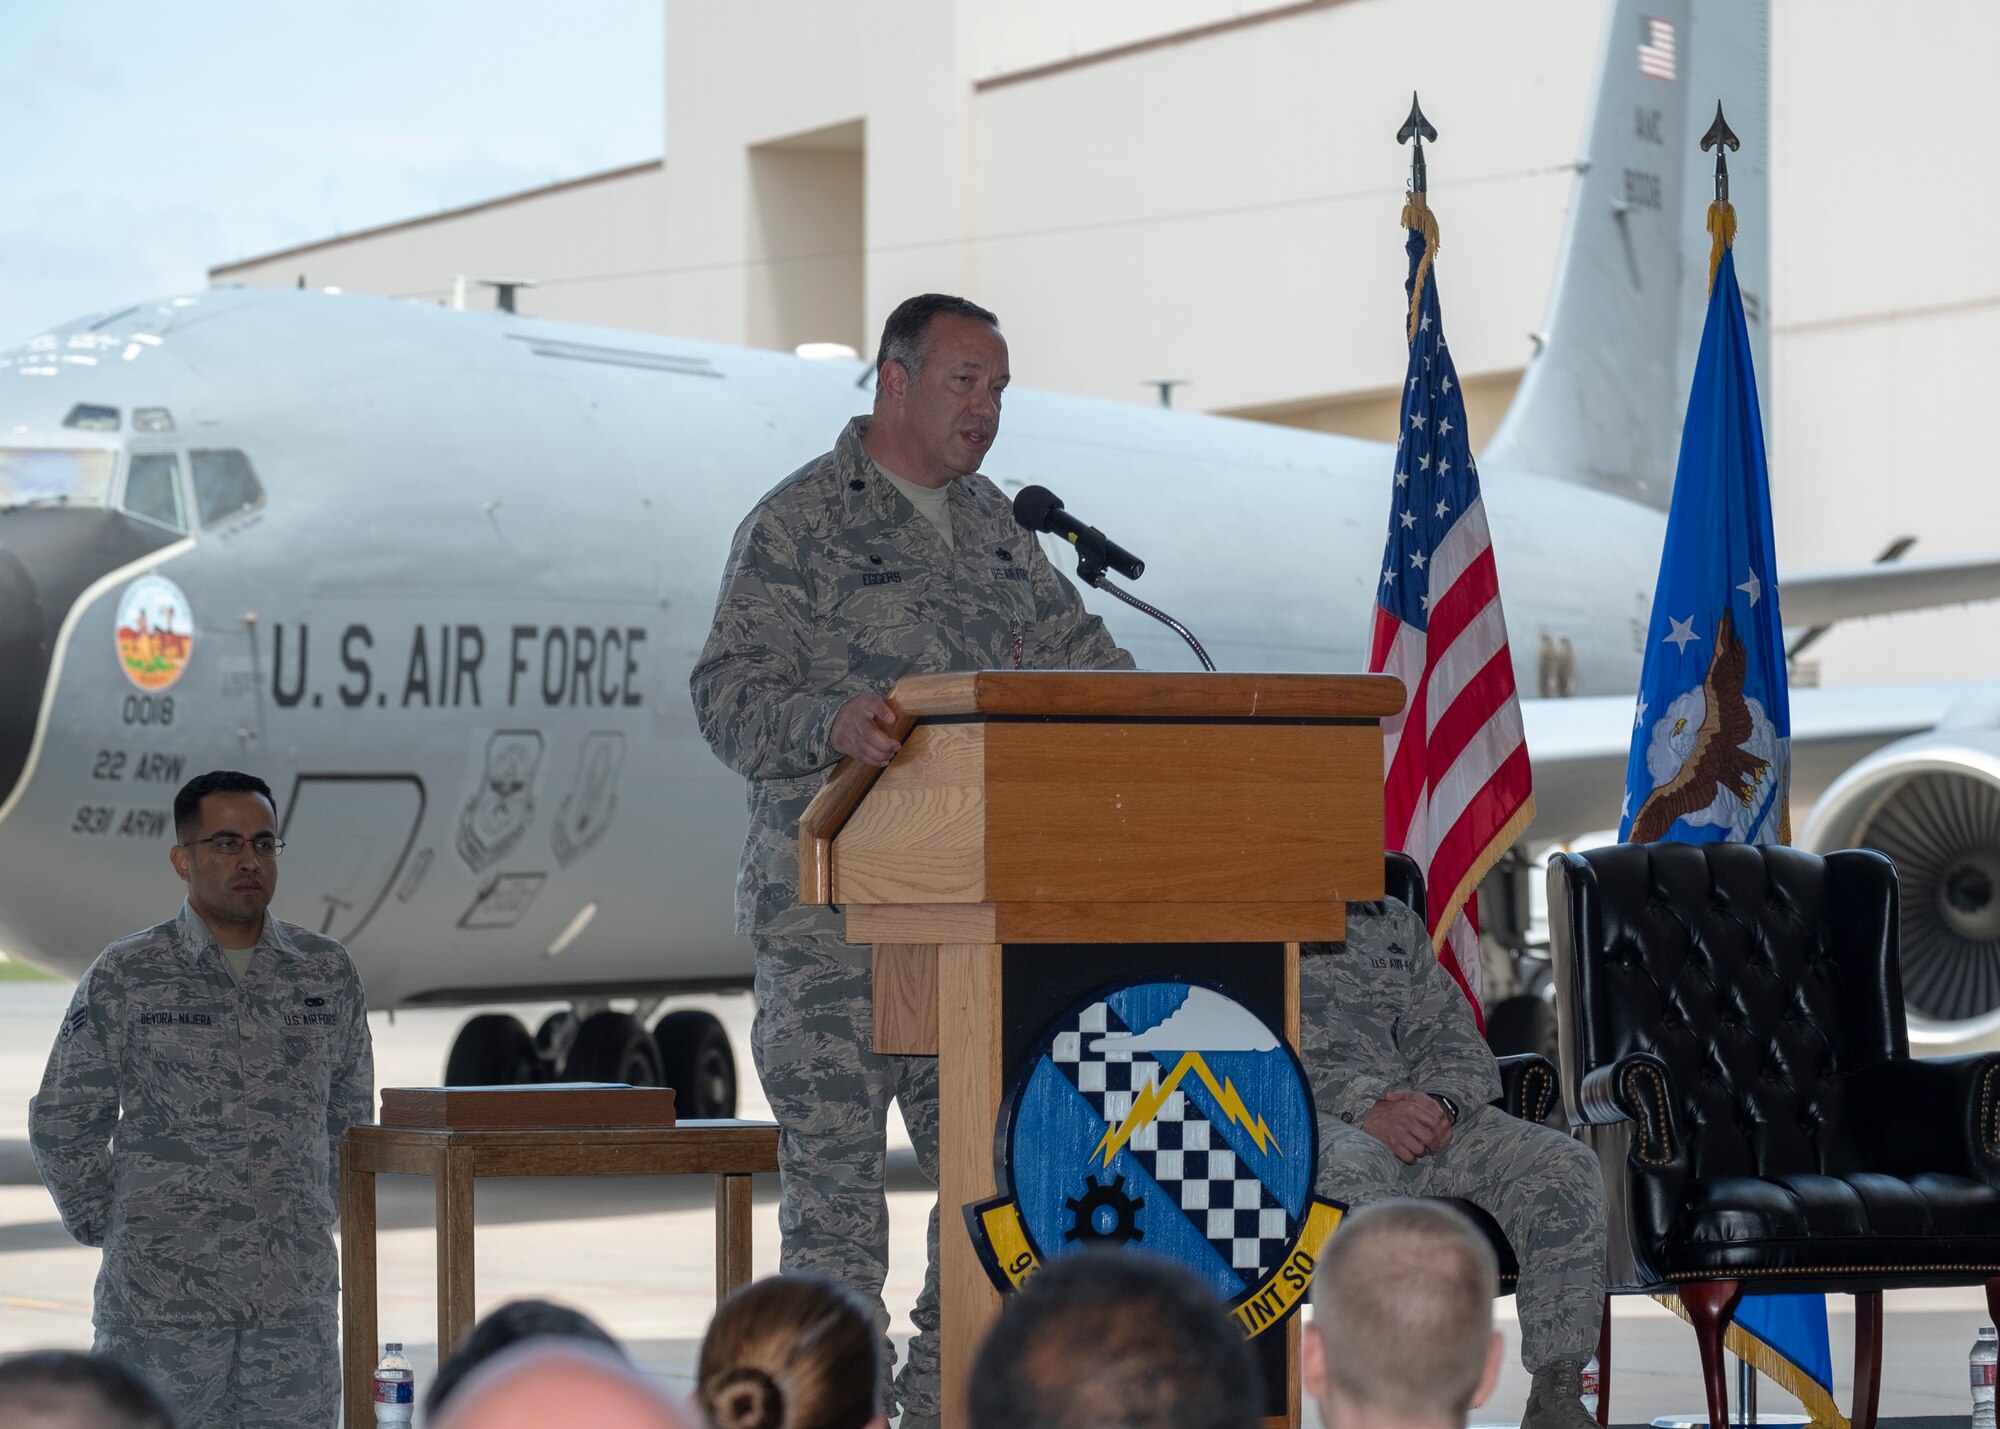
(1040, 509)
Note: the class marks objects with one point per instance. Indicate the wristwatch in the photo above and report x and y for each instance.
(1450, 1106)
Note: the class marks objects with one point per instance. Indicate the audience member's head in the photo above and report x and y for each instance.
(790, 1352)
(1109, 1339)
(1403, 1319)
(65, 1389)
(502, 1328)
(549, 1381)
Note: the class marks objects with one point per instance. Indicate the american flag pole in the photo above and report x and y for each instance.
(1457, 785)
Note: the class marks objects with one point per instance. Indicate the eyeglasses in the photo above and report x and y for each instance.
(229, 845)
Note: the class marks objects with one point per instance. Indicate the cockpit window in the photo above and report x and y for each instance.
(89, 417)
(153, 489)
(224, 485)
(43, 476)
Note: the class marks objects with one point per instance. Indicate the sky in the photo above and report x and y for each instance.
(143, 143)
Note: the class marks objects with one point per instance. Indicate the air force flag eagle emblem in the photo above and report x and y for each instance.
(1168, 1115)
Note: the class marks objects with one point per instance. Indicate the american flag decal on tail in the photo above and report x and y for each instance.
(1656, 48)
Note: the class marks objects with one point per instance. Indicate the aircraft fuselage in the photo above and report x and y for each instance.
(454, 631)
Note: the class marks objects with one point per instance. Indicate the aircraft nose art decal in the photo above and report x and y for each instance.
(499, 813)
(586, 810)
(155, 632)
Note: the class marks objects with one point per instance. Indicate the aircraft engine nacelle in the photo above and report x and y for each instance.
(1932, 804)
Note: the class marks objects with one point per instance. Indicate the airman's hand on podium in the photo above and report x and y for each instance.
(1410, 1124)
(860, 730)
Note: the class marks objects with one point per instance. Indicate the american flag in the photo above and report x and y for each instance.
(1656, 48)
(1457, 785)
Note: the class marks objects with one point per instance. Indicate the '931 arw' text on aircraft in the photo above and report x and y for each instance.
(440, 576)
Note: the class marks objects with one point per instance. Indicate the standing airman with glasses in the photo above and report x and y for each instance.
(190, 1122)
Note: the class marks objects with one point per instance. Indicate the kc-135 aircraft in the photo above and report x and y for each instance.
(440, 577)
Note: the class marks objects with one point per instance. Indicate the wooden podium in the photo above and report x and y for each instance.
(1042, 832)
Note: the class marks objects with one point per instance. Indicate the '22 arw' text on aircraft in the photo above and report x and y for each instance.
(440, 577)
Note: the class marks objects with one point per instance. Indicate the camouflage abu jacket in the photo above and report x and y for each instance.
(191, 1125)
(836, 584)
(1379, 1012)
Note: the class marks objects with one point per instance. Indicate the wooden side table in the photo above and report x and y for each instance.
(730, 1151)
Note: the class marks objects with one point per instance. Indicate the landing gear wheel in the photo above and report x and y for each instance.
(697, 1063)
(613, 1047)
(1522, 1024)
(492, 1050)
(551, 1029)
(1104, 1214)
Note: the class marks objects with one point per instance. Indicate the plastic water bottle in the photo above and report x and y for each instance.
(1590, 1384)
(395, 1387)
(1985, 1350)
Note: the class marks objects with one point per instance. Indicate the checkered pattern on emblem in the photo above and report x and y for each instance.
(1180, 1148)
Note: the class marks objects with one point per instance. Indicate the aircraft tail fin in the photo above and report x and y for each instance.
(1602, 399)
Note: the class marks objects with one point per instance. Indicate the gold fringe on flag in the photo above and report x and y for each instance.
(1760, 1356)
(1721, 232)
(1417, 215)
(1508, 835)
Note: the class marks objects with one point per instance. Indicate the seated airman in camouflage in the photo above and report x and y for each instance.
(190, 1122)
(1403, 1082)
(888, 556)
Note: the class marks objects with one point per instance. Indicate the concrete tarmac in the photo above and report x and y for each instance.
(638, 1252)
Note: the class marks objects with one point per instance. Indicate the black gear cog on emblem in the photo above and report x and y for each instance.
(1120, 1227)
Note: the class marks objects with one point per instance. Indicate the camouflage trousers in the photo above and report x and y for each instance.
(830, 1093)
(279, 1376)
(1545, 1190)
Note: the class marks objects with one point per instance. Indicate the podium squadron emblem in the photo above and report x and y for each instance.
(1166, 1115)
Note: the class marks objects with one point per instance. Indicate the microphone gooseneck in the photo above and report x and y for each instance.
(1039, 509)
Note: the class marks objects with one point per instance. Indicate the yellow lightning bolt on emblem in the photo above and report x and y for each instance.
(1147, 1104)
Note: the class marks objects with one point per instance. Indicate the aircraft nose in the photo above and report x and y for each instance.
(48, 559)
(24, 659)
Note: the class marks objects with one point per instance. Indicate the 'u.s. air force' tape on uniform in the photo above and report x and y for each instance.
(1205, 1152)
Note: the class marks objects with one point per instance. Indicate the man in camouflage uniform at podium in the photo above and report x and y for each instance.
(888, 556)
(1403, 1081)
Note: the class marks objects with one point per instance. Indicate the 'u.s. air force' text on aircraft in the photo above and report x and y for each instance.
(440, 577)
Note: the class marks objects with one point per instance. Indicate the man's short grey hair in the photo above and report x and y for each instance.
(905, 336)
(1403, 1303)
(68, 1387)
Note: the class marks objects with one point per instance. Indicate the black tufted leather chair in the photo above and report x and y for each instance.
(1733, 1046)
(1527, 1081)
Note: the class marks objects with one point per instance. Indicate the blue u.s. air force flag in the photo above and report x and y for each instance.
(1711, 739)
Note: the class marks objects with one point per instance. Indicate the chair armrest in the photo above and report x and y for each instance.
(1527, 1086)
(1936, 1114)
(1638, 1089)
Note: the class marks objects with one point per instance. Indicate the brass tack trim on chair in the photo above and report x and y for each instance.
(1541, 1087)
(1773, 1272)
(1655, 1128)
(1989, 1110)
